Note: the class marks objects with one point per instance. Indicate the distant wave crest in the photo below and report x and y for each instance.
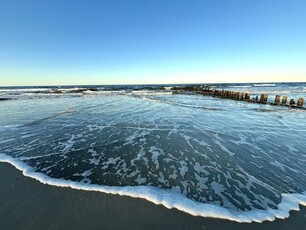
(264, 85)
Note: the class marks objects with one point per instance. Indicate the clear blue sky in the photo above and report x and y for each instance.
(151, 41)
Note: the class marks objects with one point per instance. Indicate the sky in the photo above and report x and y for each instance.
(62, 42)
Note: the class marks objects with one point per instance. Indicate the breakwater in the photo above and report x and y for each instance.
(279, 100)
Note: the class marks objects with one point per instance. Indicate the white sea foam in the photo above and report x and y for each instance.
(264, 85)
(9, 127)
(240, 86)
(169, 198)
(24, 90)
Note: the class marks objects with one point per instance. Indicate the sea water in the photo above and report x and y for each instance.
(202, 155)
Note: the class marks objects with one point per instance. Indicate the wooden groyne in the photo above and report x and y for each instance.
(242, 96)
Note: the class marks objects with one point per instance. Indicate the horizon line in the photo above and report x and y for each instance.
(140, 84)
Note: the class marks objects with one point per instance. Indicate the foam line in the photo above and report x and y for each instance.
(170, 199)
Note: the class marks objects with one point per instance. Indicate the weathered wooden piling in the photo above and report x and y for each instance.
(256, 98)
(300, 102)
(247, 96)
(241, 97)
(263, 98)
(236, 96)
(277, 99)
(284, 100)
(292, 102)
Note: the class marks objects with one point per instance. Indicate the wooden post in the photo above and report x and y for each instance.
(277, 99)
(241, 96)
(237, 96)
(261, 100)
(265, 98)
(300, 102)
(247, 96)
(292, 102)
(284, 100)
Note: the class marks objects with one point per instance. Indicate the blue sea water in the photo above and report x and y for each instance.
(205, 156)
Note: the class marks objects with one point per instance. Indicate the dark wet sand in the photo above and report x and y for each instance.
(27, 204)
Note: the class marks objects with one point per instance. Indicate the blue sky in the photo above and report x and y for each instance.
(161, 41)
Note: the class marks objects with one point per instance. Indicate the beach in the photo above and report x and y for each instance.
(139, 159)
(153, 115)
(28, 204)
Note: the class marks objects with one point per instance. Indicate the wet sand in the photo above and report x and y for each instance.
(27, 204)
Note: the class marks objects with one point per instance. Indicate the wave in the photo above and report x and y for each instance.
(9, 127)
(173, 103)
(23, 89)
(170, 199)
(43, 92)
(264, 85)
(240, 86)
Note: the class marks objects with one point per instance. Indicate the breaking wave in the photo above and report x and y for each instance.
(170, 199)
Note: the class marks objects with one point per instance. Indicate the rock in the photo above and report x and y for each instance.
(5, 99)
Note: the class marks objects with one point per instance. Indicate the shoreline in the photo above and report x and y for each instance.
(28, 204)
(169, 200)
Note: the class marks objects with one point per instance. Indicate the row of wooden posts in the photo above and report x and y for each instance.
(263, 99)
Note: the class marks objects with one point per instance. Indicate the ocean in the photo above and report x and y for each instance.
(203, 155)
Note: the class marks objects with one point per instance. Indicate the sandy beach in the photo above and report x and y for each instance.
(27, 204)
